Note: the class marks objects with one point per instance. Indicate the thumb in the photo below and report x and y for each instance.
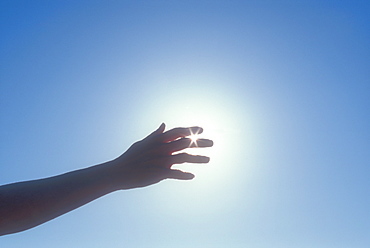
(159, 130)
(156, 132)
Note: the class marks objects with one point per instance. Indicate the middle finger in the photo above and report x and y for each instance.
(184, 143)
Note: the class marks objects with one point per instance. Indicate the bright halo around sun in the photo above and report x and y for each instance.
(219, 114)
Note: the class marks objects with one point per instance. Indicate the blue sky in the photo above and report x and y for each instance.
(283, 88)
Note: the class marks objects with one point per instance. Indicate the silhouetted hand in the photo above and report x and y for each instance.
(149, 161)
(24, 205)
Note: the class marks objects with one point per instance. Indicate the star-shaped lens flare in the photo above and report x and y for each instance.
(193, 137)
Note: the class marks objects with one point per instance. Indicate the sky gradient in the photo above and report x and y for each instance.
(282, 87)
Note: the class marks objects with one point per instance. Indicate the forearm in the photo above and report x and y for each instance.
(27, 204)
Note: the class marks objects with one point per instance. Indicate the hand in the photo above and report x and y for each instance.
(150, 160)
(27, 204)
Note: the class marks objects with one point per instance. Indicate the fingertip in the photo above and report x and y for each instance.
(161, 128)
(206, 160)
(200, 130)
(180, 175)
(199, 159)
(204, 143)
(195, 130)
(188, 176)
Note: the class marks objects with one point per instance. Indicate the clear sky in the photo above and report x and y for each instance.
(282, 87)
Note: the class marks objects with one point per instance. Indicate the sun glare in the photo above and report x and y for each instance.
(193, 137)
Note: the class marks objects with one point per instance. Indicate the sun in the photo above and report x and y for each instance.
(193, 137)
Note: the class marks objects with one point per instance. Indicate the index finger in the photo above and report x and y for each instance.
(180, 132)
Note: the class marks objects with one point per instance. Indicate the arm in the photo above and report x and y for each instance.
(25, 205)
